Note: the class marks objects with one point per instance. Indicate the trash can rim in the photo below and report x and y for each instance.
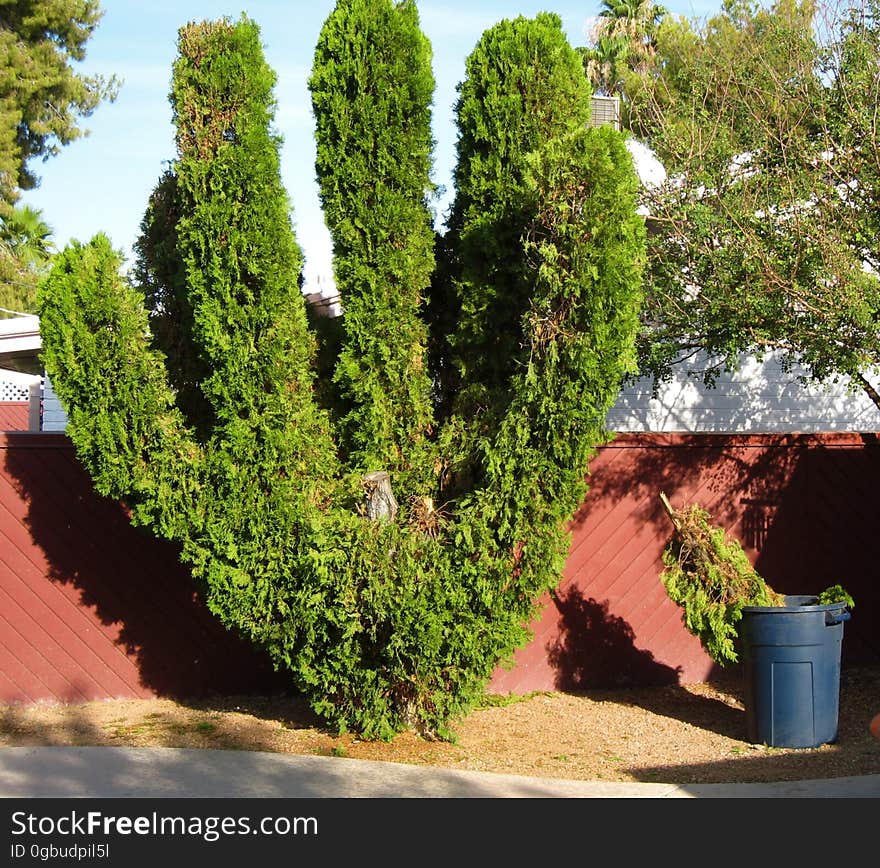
(798, 603)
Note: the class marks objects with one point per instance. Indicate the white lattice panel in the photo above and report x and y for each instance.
(15, 386)
(12, 391)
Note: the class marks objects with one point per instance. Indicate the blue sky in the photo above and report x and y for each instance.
(102, 182)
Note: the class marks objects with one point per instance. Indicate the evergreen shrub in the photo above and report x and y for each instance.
(198, 396)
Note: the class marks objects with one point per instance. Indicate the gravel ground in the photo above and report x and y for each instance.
(685, 734)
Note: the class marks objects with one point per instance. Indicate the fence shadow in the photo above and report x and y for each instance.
(597, 649)
(122, 590)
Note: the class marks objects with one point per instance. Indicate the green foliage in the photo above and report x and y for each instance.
(42, 98)
(835, 594)
(25, 256)
(524, 86)
(159, 272)
(371, 89)
(765, 237)
(197, 396)
(708, 574)
(122, 417)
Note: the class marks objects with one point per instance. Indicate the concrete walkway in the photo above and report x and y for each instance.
(123, 772)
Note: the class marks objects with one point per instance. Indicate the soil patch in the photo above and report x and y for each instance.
(683, 734)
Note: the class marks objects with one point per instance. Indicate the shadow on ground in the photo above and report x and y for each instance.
(855, 751)
(157, 772)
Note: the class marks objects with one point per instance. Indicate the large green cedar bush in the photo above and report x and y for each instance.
(194, 395)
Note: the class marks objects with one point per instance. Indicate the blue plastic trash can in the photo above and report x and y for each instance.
(791, 655)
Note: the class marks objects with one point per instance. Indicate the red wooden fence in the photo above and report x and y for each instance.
(804, 507)
(13, 415)
(91, 607)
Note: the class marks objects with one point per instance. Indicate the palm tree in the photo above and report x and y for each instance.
(26, 250)
(605, 62)
(635, 23)
(635, 19)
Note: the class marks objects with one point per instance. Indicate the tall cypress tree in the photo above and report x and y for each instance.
(524, 86)
(231, 484)
(372, 89)
(383, 621)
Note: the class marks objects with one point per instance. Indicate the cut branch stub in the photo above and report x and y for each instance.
(670, 511)
(381, 503)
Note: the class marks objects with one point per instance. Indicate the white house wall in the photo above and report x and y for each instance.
(759, 397)
(54, 414)
(19, 335)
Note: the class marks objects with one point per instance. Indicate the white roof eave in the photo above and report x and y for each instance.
(20, 335)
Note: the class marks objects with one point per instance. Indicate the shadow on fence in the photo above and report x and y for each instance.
(122, 590)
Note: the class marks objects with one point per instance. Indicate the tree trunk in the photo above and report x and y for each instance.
(870, 391)
(381, 503)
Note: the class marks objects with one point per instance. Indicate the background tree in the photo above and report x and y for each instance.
(605, 63)
(762, 238)
(634, 20)
(25, 256)
(849, 199)
(384, 622)
(621, 56)
(42, 98)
